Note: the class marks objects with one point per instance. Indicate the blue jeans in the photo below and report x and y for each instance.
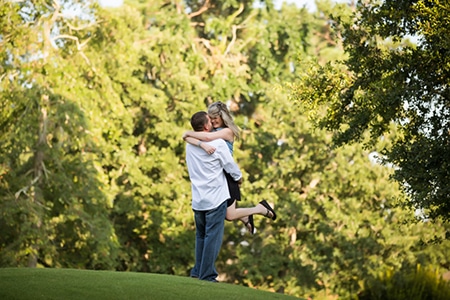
(208, 240)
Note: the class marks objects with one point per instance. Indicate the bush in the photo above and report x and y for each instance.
(407, 284)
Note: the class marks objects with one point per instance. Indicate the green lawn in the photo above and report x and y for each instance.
(35, 284)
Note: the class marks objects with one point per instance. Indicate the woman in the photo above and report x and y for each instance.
(224, 128)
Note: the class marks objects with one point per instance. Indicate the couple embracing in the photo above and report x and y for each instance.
(215, 179)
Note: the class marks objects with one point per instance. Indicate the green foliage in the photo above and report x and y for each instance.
(387, 79)
(407, 283)
(339, 217)
(92, 161)
(52, 203)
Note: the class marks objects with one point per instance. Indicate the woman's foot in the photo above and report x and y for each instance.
(249, 224)
(270, 212)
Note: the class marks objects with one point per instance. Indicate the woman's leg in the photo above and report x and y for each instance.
(234, 213)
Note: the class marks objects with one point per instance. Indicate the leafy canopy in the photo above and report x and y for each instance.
(396, 73)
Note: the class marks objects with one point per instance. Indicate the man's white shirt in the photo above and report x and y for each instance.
(209, 185)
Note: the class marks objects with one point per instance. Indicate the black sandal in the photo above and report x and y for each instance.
(267, 206)
(252, 224)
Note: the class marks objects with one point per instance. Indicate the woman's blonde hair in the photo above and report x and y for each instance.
(219, 109)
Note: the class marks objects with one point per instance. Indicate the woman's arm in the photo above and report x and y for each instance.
(225, 134)
(196, 142)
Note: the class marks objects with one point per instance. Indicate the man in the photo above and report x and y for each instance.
(209, 197)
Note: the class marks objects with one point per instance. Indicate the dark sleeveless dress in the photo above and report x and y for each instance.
(233, 186)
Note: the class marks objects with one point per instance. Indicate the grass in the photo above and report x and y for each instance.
(67, 284)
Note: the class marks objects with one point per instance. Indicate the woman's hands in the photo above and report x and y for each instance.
(187, 136)
(208, 148)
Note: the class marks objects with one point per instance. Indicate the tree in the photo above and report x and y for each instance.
(387, 79)
(53, 210)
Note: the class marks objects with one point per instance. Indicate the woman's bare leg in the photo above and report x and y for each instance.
(234, 213)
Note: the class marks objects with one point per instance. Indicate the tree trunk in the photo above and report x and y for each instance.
(38, 173)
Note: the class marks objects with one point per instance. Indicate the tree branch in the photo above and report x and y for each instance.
(200, 11)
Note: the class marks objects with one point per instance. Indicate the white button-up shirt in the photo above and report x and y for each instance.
(208, 183)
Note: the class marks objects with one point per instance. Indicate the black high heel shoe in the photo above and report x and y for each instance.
(267, 206)
(252, 224)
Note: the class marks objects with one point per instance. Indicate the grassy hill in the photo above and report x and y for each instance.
(35, 284)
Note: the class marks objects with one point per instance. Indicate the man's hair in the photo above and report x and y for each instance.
(198, 120)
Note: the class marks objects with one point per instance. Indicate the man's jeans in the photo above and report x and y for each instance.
(208, 240)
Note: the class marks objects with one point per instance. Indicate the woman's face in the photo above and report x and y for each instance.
(217, 121)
